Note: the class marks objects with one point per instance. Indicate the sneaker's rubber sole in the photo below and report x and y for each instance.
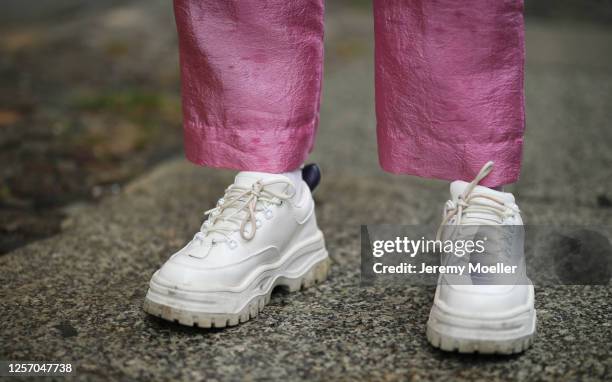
(467, 345)
(317, 273)
(503, 336)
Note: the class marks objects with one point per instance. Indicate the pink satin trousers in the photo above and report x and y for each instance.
(449, 84)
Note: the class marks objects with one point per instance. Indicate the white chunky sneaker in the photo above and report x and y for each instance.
(471, 316)
(261, 234)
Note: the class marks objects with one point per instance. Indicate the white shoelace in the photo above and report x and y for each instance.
(471, 202)
(226, 217)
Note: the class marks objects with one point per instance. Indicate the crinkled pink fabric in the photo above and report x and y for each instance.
(251, 81)
(449, 84)
(449, 87)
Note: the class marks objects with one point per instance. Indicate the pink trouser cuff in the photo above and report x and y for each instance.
(251, 81)
(449, 87)
(253, 148)
(412, 155)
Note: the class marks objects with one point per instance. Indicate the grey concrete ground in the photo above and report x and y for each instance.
(77, 296)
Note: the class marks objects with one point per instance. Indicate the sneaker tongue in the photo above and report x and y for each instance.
(458, 187)
(247, 178)
(470, 216)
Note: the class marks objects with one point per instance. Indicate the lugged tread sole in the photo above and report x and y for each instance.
(316, 274)
(465, 345)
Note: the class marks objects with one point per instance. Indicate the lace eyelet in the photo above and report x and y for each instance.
(232, 244)
(268, 214)
(258, 223)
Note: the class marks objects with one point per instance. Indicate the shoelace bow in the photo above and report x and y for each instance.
(250, 199)
(470, 202)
